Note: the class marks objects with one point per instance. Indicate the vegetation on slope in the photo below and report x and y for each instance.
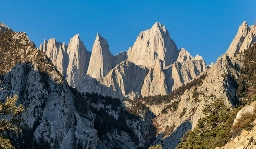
(10, 120)
(160, 99)
(246, 80)
(213, 130)
(216, 129)
(111, 116)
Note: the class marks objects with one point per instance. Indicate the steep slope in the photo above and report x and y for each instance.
(78, 61)
(162, 74)
(154, 82)
(184, 107)
(184, 55)
(101, 60)
(153, 45)
(58, 116)
(50, 115)
(57, 52)
(120, 57)
(180, 111)
(71, 61)
(167, 68)
(124, 80)
(245, 37)
(3, 27)
(230, 127)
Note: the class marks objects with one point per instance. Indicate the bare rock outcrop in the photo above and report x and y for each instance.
(153, 45)
(184, 55)
(71, 61)
(244, 39)
(120, 57)
(184, 72)
(154, 82)
(101, 60)
(3, 27)
(124, 80)
(57, 52)
(152, 66)
(78, 61)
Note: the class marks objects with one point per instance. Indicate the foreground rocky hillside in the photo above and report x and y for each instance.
(152, 66)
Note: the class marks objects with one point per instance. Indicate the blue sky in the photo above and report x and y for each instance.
(204, 27)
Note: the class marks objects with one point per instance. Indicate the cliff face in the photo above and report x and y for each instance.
(101, 60)
(154, 52)
(78, 61)
(153, 45)
(71, 61)
(245, 37)
(57, 52)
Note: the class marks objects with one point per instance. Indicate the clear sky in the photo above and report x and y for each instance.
(204, 27)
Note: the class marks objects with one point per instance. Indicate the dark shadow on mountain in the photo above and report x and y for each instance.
(94, 86)
(37, 97)
(169, 79)
(122, 120)
(125, 79)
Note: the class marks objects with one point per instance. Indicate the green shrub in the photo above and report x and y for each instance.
(213, 130)
(158, 146)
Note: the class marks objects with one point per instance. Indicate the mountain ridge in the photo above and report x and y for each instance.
(154, 50)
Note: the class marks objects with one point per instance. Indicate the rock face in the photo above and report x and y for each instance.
(71, 61)
(124, 80)
(152, 66)
(78, 61)
(57, 52)
(155, 81)
(184, 55)
(3, 27)
(244, 39)
(153, 45)
(101, 61)
(246, 140)
(120, 57)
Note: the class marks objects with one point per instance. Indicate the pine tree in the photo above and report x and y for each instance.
(158, 146)
(10, 118)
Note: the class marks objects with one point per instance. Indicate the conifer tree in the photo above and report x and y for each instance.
(10, 118)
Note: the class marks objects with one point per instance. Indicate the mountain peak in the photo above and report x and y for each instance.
(152, 45)
(184, 55)
(244, 38)
(101, 60)
(198, 57)
(158, 26)
(4, 27)
(99, 38)
(244, 28)
(98, 34)
(244, 24)
(76, 36)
